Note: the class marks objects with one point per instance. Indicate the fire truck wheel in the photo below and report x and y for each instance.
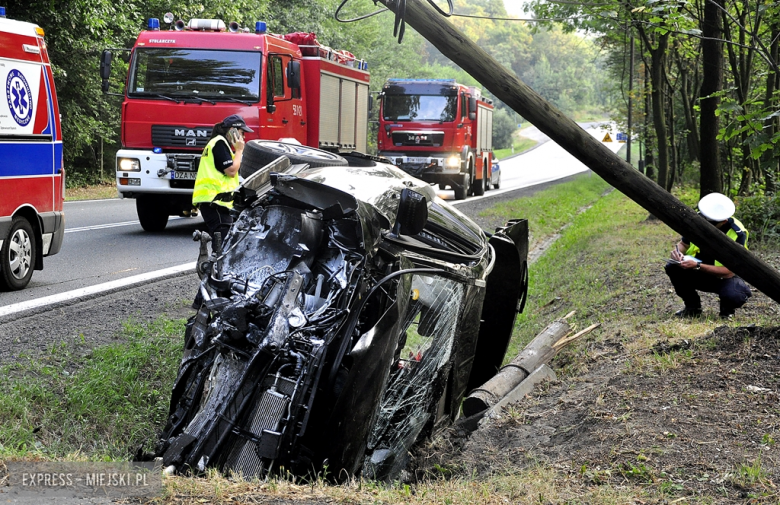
(18, 255)
(152, 214)
(259, 153)
(480, 184)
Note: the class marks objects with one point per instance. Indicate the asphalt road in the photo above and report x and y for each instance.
(105, 248)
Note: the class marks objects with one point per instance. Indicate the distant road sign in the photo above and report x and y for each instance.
(621, 137)
(607, 138)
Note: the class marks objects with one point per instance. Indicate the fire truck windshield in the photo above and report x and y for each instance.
(420, 108)
(182, 73)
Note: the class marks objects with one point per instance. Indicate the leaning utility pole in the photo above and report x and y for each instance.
(515, 93)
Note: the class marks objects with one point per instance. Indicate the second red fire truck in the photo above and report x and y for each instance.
(184, 80)
(439, 131)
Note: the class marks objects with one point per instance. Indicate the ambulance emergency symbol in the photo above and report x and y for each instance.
(18, 94)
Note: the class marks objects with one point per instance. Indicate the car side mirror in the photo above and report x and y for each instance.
(412, 213)
(472, 108)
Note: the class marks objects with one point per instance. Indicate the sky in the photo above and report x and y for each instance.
(514, 7)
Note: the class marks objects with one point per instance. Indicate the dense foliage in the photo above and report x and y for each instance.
(564, 67)
(704, 87)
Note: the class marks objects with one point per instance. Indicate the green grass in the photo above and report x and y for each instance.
(519, 145)
(99, 407)
(549, 210)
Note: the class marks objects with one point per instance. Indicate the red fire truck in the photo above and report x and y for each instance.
(183, 81)
(439, 131)
(32, 178)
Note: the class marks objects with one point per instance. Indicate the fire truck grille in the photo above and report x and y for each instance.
(402, 138)
(180, 136)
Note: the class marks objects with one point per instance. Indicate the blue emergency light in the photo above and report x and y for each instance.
(154, 24)
(2, 12)
(157, 150)
(260, 27)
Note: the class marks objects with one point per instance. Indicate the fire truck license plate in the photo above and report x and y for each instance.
(417, 160)
(184, 175)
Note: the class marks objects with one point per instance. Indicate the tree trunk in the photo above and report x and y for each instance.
(768, 160)
(711, 82)
(658, 83)
(507, 87)
(690, 121)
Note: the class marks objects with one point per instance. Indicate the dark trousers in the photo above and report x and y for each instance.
(733, 292)
(217, 218)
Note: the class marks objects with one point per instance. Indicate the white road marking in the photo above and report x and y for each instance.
(112, 225)
(92, 290)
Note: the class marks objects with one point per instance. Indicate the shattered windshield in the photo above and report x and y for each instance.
(195, 73)
(420, 108)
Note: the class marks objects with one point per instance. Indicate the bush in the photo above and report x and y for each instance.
(761, 216)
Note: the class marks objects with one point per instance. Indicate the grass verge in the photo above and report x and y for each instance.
(103, 406)
(519, 144)
(93, 192)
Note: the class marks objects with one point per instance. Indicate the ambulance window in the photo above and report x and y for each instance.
(276, 76)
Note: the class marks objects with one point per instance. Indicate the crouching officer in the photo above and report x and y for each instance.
(692, 269)
(218, 173)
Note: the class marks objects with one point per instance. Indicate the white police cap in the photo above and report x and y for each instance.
(716, 207)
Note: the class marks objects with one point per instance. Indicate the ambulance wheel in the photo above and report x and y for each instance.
(259, 153)
(18, 255)
(152, 213)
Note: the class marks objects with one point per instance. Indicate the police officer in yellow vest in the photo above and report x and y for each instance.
(692, 269)
(218, 173)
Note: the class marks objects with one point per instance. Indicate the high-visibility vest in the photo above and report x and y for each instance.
(210, 182)
(736, 232)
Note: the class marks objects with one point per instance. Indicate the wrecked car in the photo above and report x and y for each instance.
(344, 317)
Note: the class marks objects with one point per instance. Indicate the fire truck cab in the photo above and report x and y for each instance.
(184, 80)
(32, 177)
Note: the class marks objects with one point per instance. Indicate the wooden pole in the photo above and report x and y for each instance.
(515, 93)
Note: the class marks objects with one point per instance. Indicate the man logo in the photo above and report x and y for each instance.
(191, 142)
(183, 132)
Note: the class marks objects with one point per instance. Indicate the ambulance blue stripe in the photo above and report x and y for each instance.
(50, 104)
(28, 158)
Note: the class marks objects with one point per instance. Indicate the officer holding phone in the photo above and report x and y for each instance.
(218, 173)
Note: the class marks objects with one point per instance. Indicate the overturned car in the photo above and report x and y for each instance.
(344, 318)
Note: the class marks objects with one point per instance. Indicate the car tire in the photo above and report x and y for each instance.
(259, 153)
(18, 255)
(151, 213)
(479, 186)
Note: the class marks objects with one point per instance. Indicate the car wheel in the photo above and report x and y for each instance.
(497, 184)
(152, 214)
(259, 153)
(480, 185)
(18, 255)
